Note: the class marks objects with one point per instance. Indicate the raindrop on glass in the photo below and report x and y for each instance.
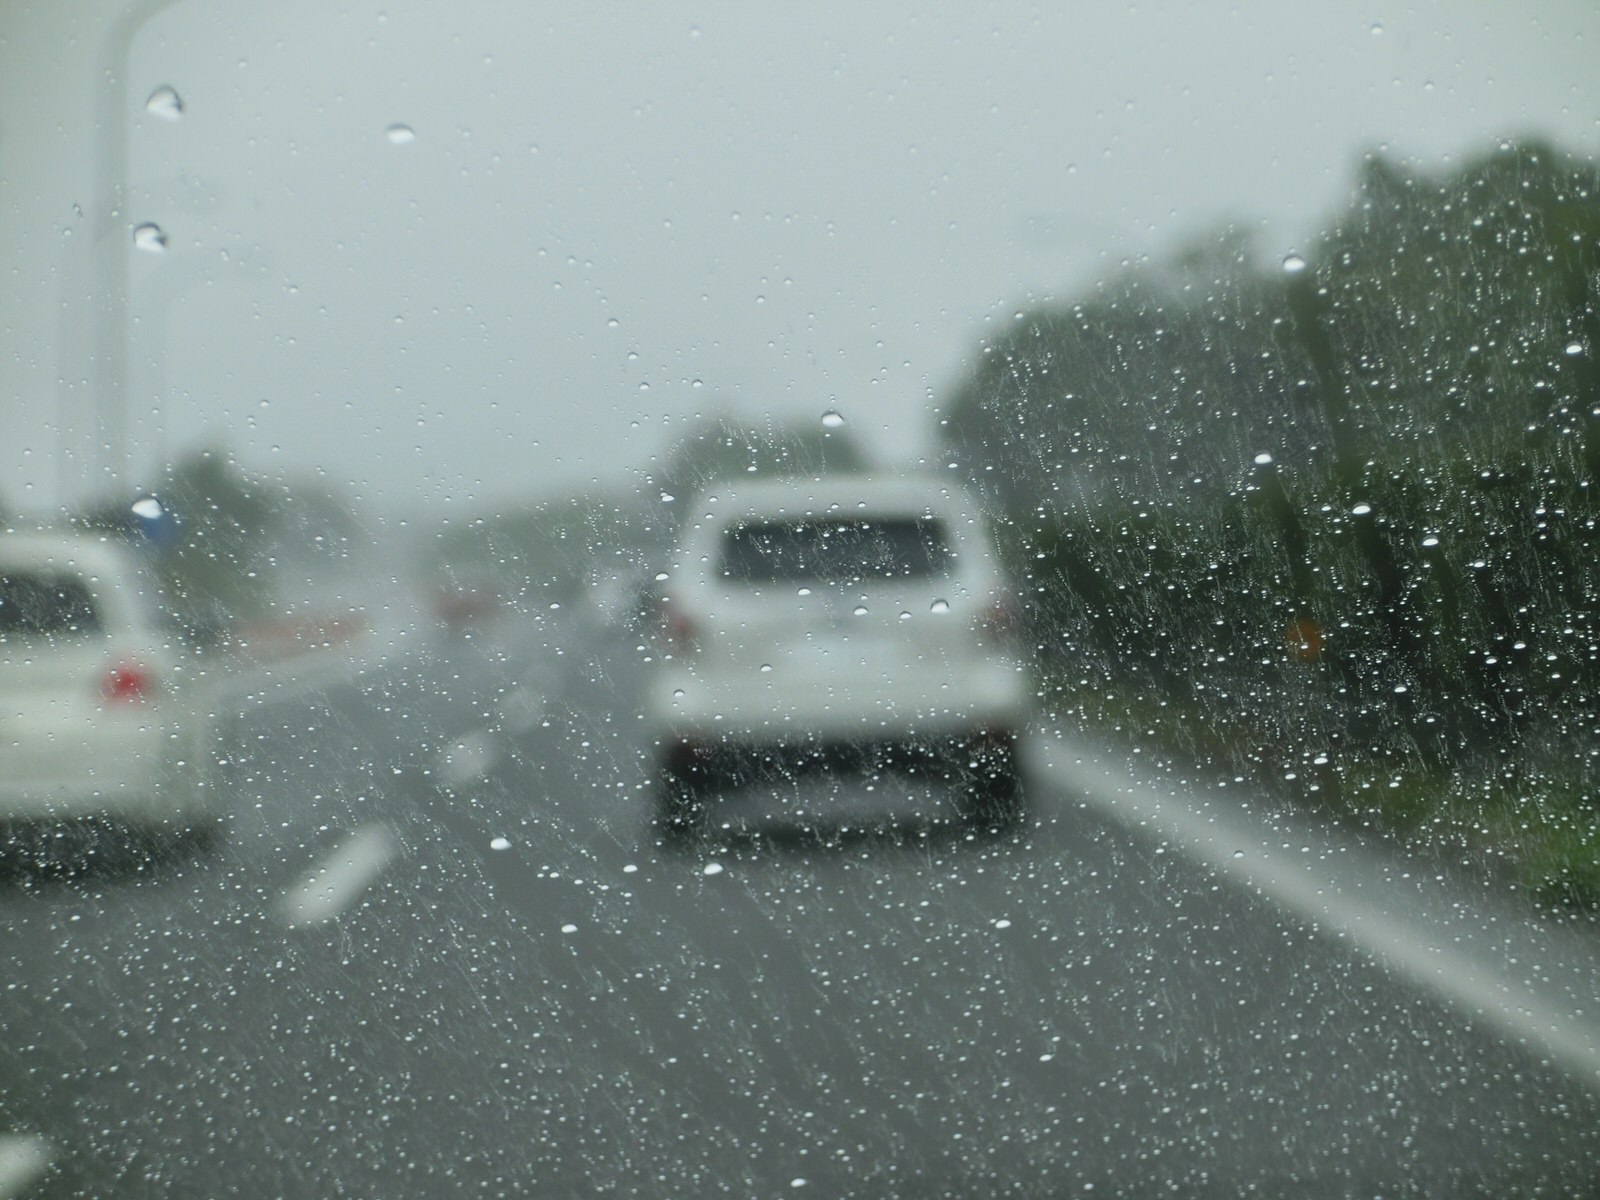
(712, 868)
(1574, 349)
(803, 592)
(500, 843)
(860, 610)
(1361, 510)
(1293, 264)
(765, 667)
(147, 507)
(569, 928)
(939, 606)
(165, 103)
(831, 419)
(148, 237)
(1263, 459)
(400, 135)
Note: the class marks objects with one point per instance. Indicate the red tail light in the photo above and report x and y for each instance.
(128, 683)
(676, 629)
(1002, 618)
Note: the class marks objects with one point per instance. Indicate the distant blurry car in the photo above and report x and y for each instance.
(97, 718)
(846, 619)
(460, 606)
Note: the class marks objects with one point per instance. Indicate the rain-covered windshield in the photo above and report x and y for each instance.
(887, 600)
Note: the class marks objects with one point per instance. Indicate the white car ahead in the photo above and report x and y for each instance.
(846, 621)
(97, 718)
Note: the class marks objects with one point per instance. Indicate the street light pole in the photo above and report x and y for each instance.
(112, 240)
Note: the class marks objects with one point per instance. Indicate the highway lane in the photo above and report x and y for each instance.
(515, 988)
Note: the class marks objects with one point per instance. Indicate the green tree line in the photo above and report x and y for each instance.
(1345, 495)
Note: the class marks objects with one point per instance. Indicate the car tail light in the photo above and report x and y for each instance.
(1001, 619)
(128, 683)
(676, 629)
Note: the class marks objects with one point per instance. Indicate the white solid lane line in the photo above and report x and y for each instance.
(1477, 955)
(470, 757)
(339, 878)
(23, 1159)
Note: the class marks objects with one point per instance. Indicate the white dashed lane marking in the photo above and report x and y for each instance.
(469, 757)
(339, 878)
(24, 1158)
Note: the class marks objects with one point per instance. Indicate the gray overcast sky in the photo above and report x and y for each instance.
(614, 216)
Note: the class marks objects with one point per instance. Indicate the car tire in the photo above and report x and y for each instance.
(680, 809)
(998, 801)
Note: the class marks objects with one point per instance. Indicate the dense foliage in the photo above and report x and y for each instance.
(1341, 506)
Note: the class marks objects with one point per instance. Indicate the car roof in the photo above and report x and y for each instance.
(90, 553)
(836, 495)
(101, 557)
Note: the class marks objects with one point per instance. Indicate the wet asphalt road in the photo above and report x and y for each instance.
(916, 1011)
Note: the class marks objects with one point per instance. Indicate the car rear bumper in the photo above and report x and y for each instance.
(756, 709)
(127, 771)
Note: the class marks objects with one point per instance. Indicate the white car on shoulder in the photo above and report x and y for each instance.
(843, 620)
(98, 721)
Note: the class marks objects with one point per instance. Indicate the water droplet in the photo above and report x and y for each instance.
(859, 610)
(765, 667)
(569, 928)
(1574, 349)
(677, 694)
(803, 592)
(905, 616)
(1002, 923)
(148, 237)
(400, 135)
(831, 419)
(1293, 264)
(1361, 510)
(712, 868)
(630, 869)
(165, 103)
(1238, 853)
(798, 1181)
(1400, 689)
(939, 606)
(1046, 1057)
(500, 843)
(662, 577)
(1376, 29)
(1431, 540)
(147, 507)
(1263, 459)
(667, 497)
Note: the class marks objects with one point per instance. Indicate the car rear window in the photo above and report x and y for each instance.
(38, 605)
(831, 550)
